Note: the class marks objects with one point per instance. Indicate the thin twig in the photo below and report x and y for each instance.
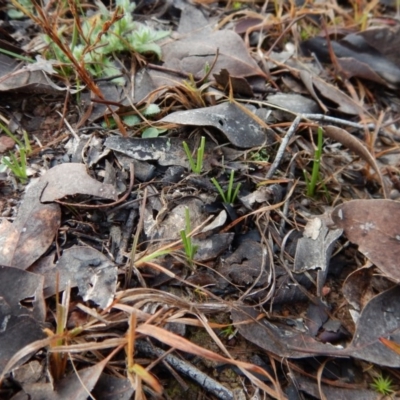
(326, 118)
(209, 384)
(282, 147)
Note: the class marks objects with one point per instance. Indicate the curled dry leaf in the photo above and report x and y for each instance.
(353, 144)
(325, 90)
(358, 58)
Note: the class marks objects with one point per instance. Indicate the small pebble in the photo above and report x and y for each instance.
(394, 194)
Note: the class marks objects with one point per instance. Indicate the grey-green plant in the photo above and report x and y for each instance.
(230, 195)
(315, 176)
(196, 166)
(94, 45)
(188, 246)
(14, 13)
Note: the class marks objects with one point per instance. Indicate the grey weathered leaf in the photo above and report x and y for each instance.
(31, 234)
(88, 269)
(72, 179)
(238, 126)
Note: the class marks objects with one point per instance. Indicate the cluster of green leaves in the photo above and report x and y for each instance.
(17, 165)
(94, 41)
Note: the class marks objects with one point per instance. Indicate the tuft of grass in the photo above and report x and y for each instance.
(229, 332)
(230, 195)
(382, 385)
(17, 165)
(315, 177)
(196, 166)
(190, 249)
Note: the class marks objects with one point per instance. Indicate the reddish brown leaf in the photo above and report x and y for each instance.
(6, 143)
(373, 225)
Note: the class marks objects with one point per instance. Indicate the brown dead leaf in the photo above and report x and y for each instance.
(239, 85)
(384, 39)
(31, 234)
(373, 226)
(344, 103)
(192, 53)
(369, 54)
(72, 179)
(6, 143)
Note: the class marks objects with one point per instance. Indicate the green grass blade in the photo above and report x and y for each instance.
(219, 188)
(189, 156)
(317, 161)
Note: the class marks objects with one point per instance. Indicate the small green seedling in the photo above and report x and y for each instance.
(17, 167)
(382, 385)
(196, 167)
(230, 195)
(315, 178)
(229, 332)
(261, 155)
(190, 249)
